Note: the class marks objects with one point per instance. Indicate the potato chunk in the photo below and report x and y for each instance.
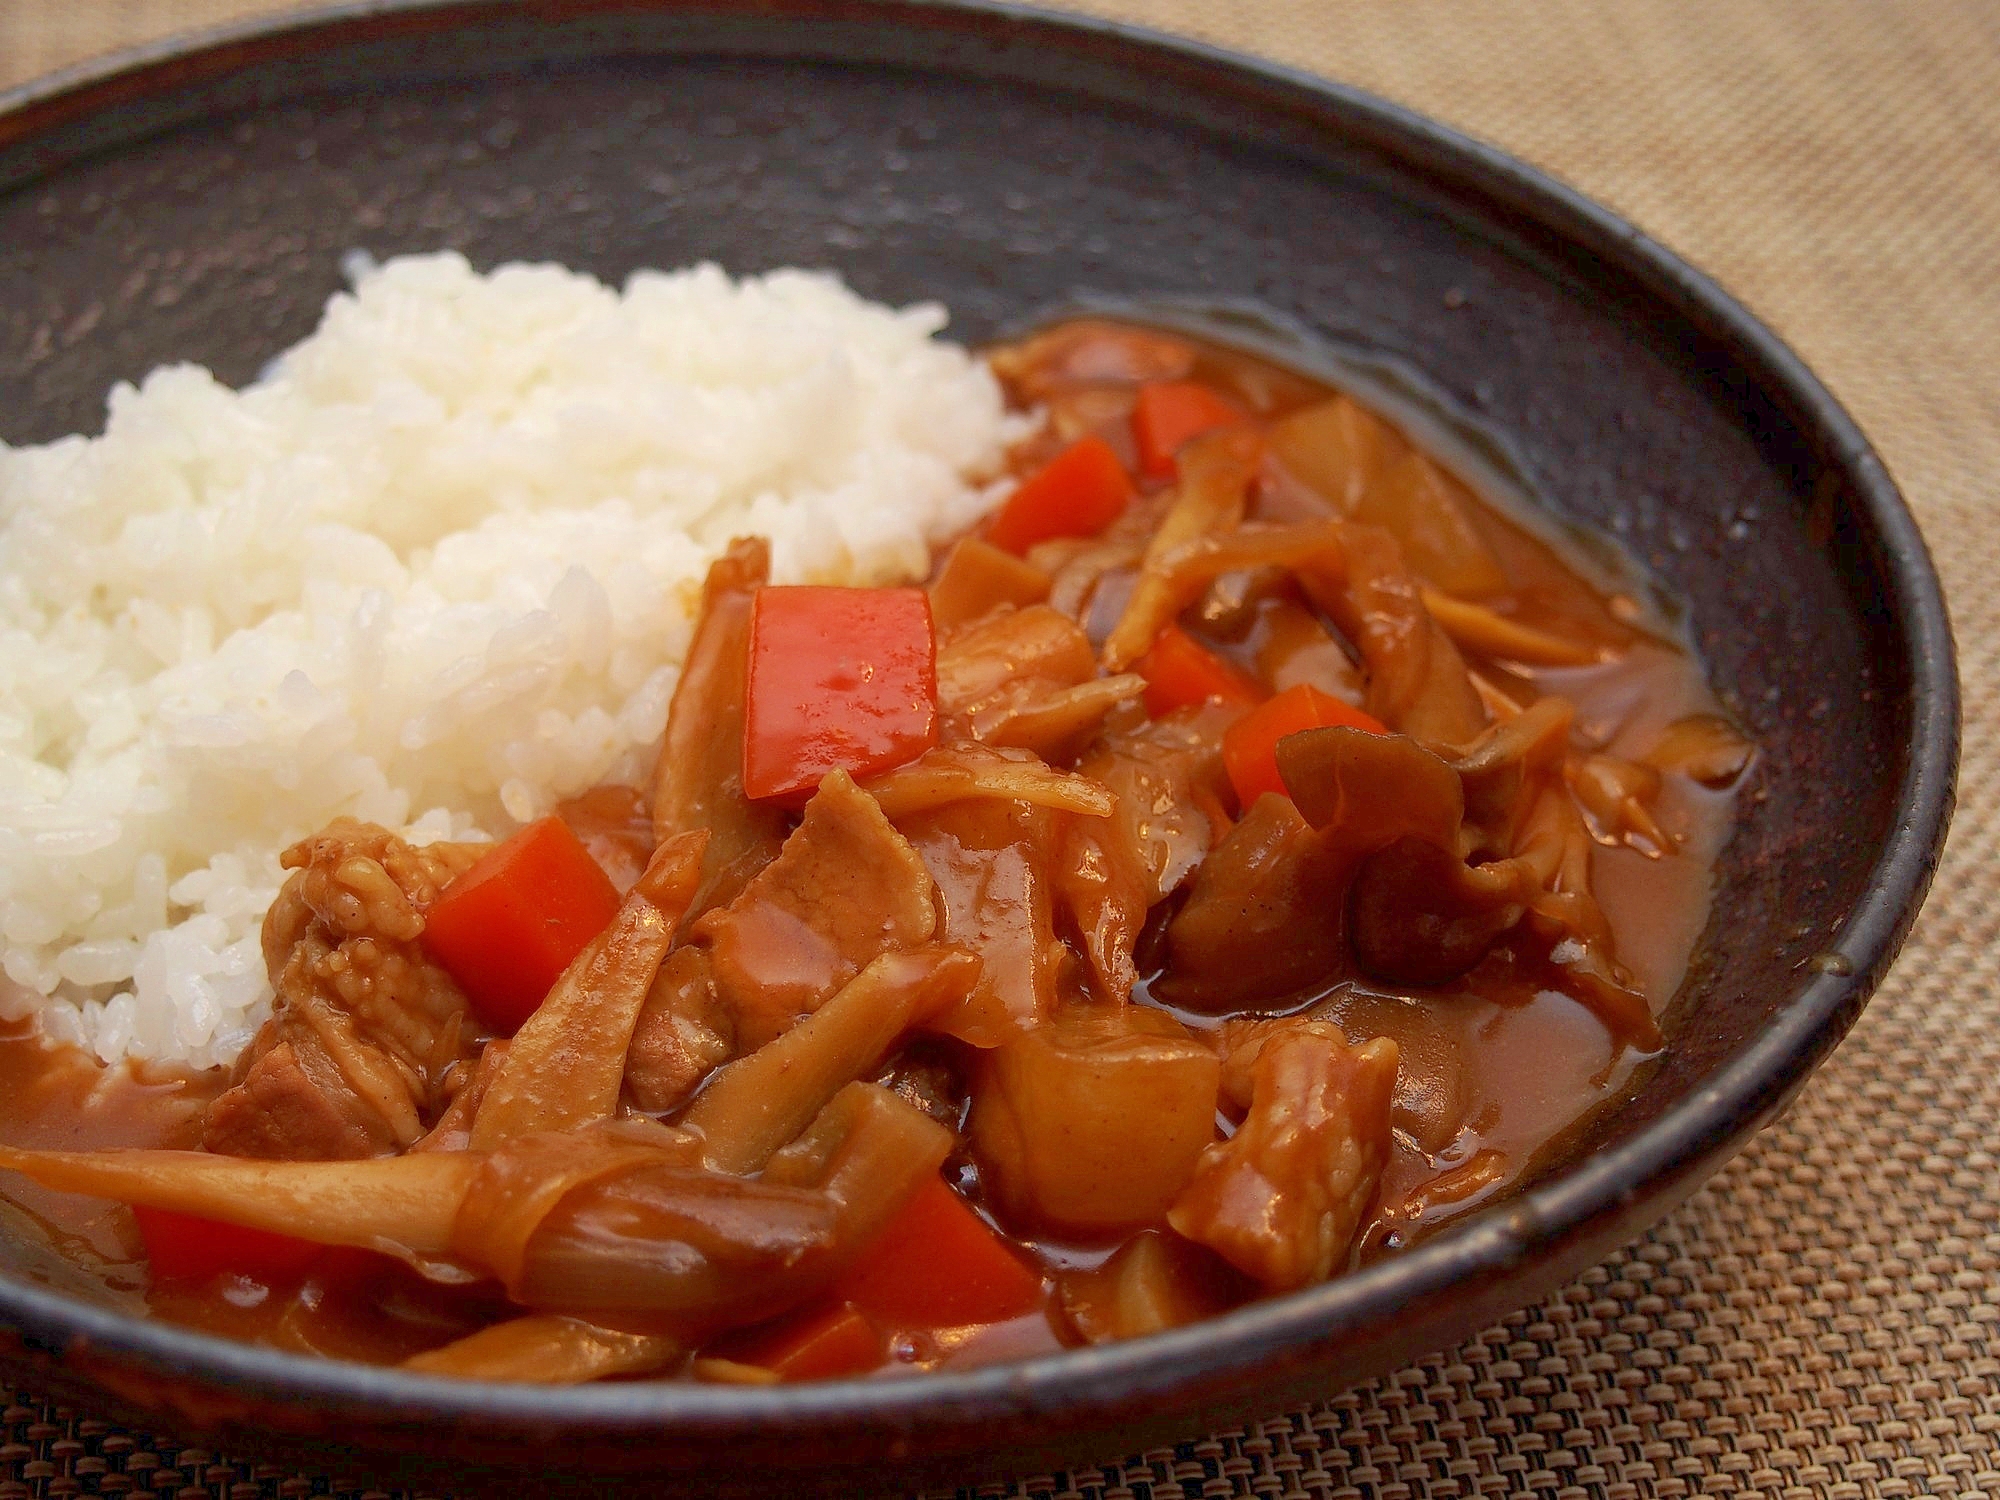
(1155, 1281)
(1282, 1199)
(1093, 1122)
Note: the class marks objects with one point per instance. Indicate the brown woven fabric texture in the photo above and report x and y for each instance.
(1820, 1321)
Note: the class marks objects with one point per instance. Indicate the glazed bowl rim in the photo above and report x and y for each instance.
(1745, 1089)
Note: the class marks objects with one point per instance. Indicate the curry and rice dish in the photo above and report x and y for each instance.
(1242, 850)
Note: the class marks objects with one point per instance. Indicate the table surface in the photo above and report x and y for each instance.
(1820, 1320)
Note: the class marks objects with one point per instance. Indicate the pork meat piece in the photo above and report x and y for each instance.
(1284, 1197)
(365, 1026)
(845, 889)
(682, 1033)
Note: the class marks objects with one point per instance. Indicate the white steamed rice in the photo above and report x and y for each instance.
(435, 569)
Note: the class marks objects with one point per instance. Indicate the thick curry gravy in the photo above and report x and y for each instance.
(1496, 1063)
(1493, 1078)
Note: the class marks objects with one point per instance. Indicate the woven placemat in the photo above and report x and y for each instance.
(1820, 1321)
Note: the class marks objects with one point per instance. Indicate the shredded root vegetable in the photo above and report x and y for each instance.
(1216, 474)
(758, 1103)
(548, 1350)
(698, 780)
(1704, 748)
(1474, 627)
(519, 1186)
(567, 1062)
(397, 1204)
(960, 772)
(1052, 724)
(870, 1151)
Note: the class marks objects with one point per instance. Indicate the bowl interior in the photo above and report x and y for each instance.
(200, 211)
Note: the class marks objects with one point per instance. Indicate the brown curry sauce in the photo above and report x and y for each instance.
(1495, 1066)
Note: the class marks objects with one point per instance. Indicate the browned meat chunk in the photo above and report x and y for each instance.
(353, 1061)
(845, 889)
(683, 1032)
(293, 1103)
(1283, 1198)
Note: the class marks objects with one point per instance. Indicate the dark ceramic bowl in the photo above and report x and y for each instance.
(193, 202)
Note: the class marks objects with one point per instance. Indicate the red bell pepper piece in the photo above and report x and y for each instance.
(183, 1247)
(1079, 492)
(1171, 413)
(1180, 671)
(507, 928)
(938, 1265)
(839, 679)
(1250, 745)
(817, 1345)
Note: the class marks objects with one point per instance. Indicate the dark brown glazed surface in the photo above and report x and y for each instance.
(1005, 168)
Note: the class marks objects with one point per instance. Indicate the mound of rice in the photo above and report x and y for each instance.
(435, 569)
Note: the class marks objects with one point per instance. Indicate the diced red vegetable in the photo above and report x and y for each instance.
(840, 679)
(182, 1247)
(1171, 413)
(938, 1265)
(1180, 671)
(1250, 745)
(818, 1345)
(1079, 492)
(507, 928)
